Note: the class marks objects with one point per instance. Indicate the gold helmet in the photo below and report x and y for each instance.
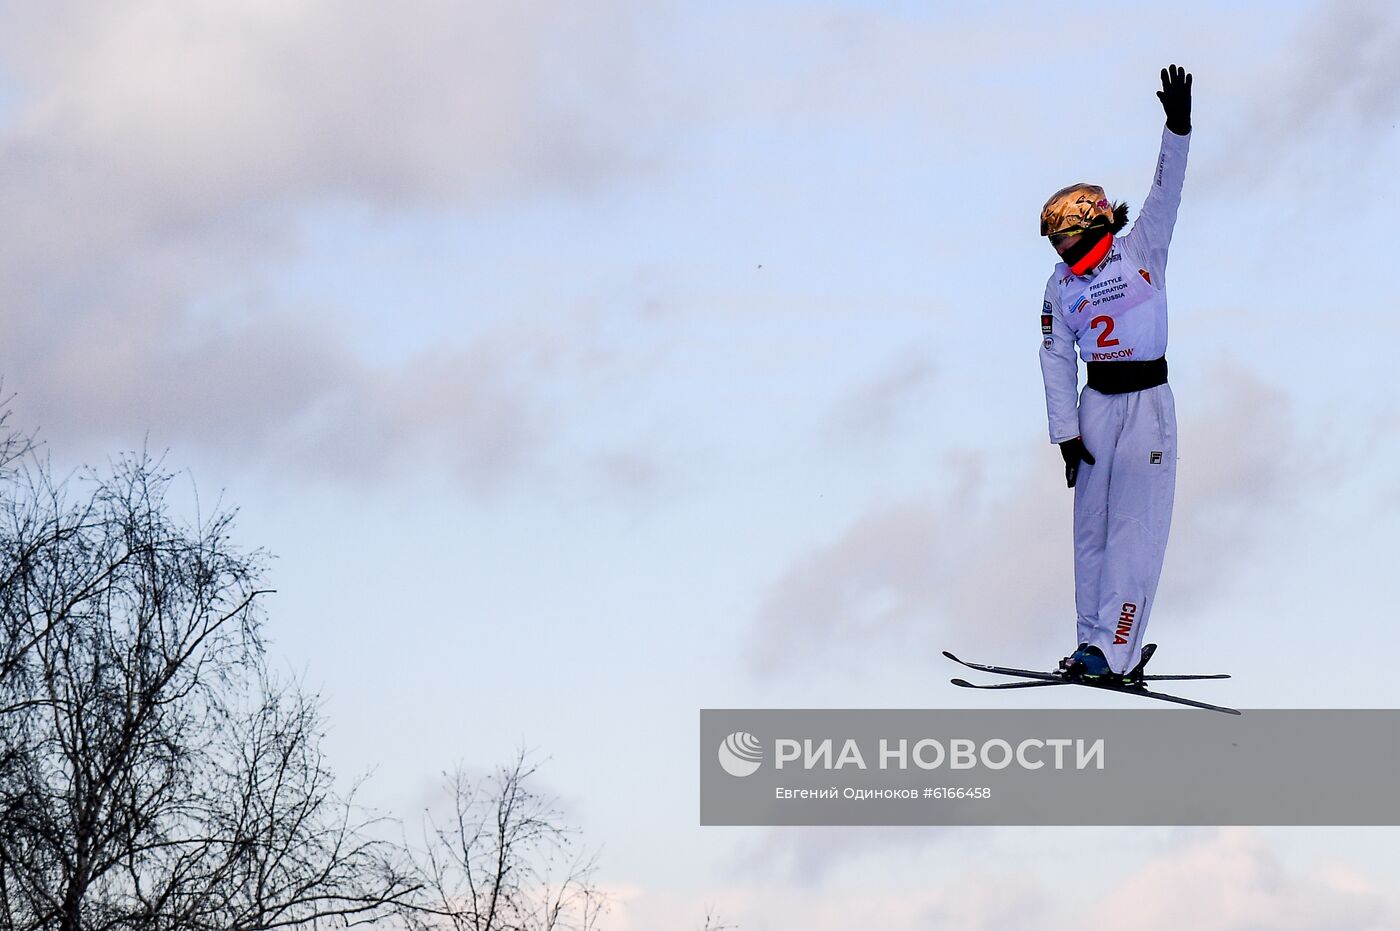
(1075, 208)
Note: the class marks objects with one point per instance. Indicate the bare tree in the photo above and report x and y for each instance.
(715, 923)
(152, 774)
(503, 861)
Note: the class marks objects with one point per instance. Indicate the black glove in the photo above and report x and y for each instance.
(1176, 99)
(1074, 453)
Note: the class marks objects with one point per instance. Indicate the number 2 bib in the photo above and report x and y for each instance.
(1118, 315)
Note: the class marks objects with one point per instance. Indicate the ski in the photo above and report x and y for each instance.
(1050, 678)
(1106, 686)
(1037, 683)
(1036, 674)
(1182, 678)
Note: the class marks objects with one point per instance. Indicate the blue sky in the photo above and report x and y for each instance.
(583, 370)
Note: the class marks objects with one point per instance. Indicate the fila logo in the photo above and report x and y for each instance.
(1125, 622)
(1155, 458)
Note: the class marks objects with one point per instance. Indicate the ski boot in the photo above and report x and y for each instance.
(1065, 662)
(1088, 663)
(1134, 675)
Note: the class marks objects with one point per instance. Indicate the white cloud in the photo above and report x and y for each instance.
(986, 560)
(1347, 50)
(471, 411)
(158, 154)
(1224, 880)
(199, 105)
(1315, 114)
(971, 902)
(1233, 881)
(873, 411)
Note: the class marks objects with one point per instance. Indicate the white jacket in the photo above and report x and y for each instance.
(1118, 311)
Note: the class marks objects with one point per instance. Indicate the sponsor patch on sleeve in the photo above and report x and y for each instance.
(1047, 324)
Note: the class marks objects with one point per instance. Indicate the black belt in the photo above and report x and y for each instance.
(1123, 377)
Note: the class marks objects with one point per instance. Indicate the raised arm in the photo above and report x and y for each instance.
(1152, 233)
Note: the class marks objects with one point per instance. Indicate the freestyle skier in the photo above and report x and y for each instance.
(1106, 302)
(1118, 435)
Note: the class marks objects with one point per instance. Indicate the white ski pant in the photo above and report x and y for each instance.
(1122, 513)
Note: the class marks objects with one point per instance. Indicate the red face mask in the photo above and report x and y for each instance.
(1094, 256)
(1086, 250)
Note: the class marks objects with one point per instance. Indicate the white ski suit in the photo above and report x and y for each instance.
(1117, 312)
